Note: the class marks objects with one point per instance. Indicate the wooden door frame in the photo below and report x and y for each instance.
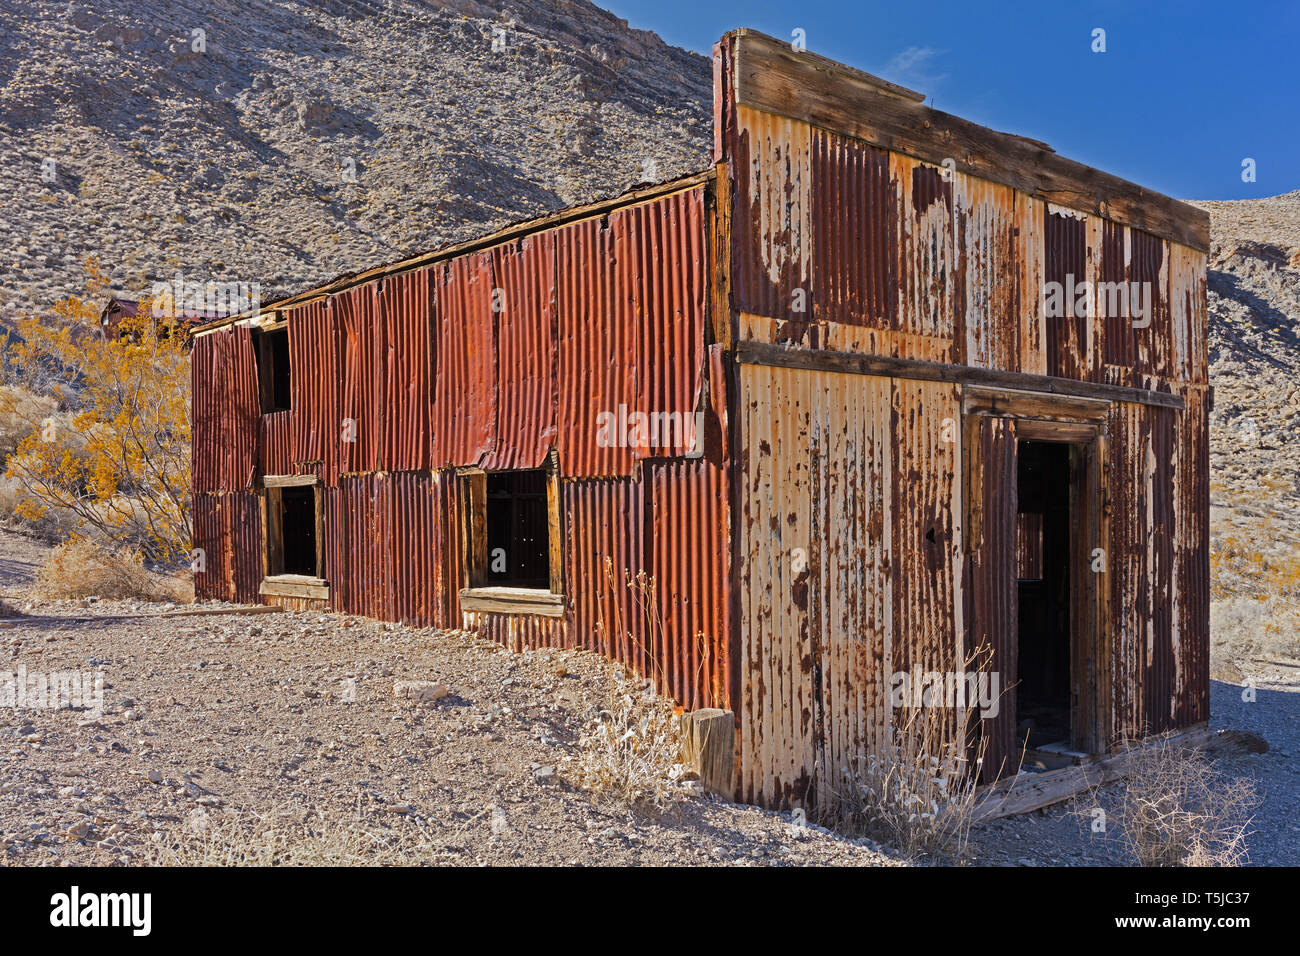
(1080, 423)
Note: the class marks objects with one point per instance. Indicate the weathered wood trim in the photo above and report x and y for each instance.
(296, 586)
(853, 363)
(289, 481)
(1037, 429)
(555, 525)
(770, 76)
(515, 231)
(1012, 403)
(720, 242)
(512, 601)
(1028, 792)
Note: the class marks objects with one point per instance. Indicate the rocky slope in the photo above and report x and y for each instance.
(299, 140)
(1254, 306)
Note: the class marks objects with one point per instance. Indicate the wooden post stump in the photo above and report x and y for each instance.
(709, 748)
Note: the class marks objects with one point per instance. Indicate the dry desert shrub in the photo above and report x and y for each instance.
(632, 750)
(1176, 809)
(79, 568)
(917, 792)
(288, 838)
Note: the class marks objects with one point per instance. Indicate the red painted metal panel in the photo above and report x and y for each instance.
(336, 540)
(597, 353)
(465, 395)
(225, 412)
(229, 531)
(690, 543)
(243, 518)
(206, 398)
(526, 340)
(408, 361)
(631, 334)
(210, 579)
(418, 556)
(668, 305)
(604, 544)
(362, 431)
(242, 411)
(316, 382)
(274, 440)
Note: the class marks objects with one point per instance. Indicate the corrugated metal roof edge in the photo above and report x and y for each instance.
(517, 230)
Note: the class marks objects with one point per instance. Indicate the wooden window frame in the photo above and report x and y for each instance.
(479, 596)
(313, 587)
(265, 378)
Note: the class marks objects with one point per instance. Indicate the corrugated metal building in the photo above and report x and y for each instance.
(882, 393)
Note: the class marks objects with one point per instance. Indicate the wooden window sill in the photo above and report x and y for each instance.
(512, 601)
(296, 586)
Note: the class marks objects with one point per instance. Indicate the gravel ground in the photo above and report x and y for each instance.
(212, 717)
(1062, 835)
(270, 713)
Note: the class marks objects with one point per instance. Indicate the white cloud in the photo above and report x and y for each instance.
(916, 66)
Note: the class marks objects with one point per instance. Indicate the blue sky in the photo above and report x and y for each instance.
(1183, 94)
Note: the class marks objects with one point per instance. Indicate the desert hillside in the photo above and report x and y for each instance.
(1254, 303)
(310, 138)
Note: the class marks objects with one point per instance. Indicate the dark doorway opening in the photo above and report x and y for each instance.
(1043, 561)
(518, 530)
(298, 531)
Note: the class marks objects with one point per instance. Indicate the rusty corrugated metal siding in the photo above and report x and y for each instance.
(1065, 244)
(854, 233)
(927, 261)
(986, 279)
(848, 544)
(526, 338)
(465, 394)
(225, 420)
(772, 218)
(492, 359)
(970, 261)
(316, 385)
(227, 527)
(993, 597)
(406, 305)
(365, 350)
(274, 441)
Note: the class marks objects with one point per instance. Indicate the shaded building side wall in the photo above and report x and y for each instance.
(498, 359)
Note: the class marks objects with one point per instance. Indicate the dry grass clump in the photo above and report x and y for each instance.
(1176, 809)
(917, 792)
(79, 568)
(632, 750)
(286, 838)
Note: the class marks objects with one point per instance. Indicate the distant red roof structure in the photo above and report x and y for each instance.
(114, 311)
(118, 307)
